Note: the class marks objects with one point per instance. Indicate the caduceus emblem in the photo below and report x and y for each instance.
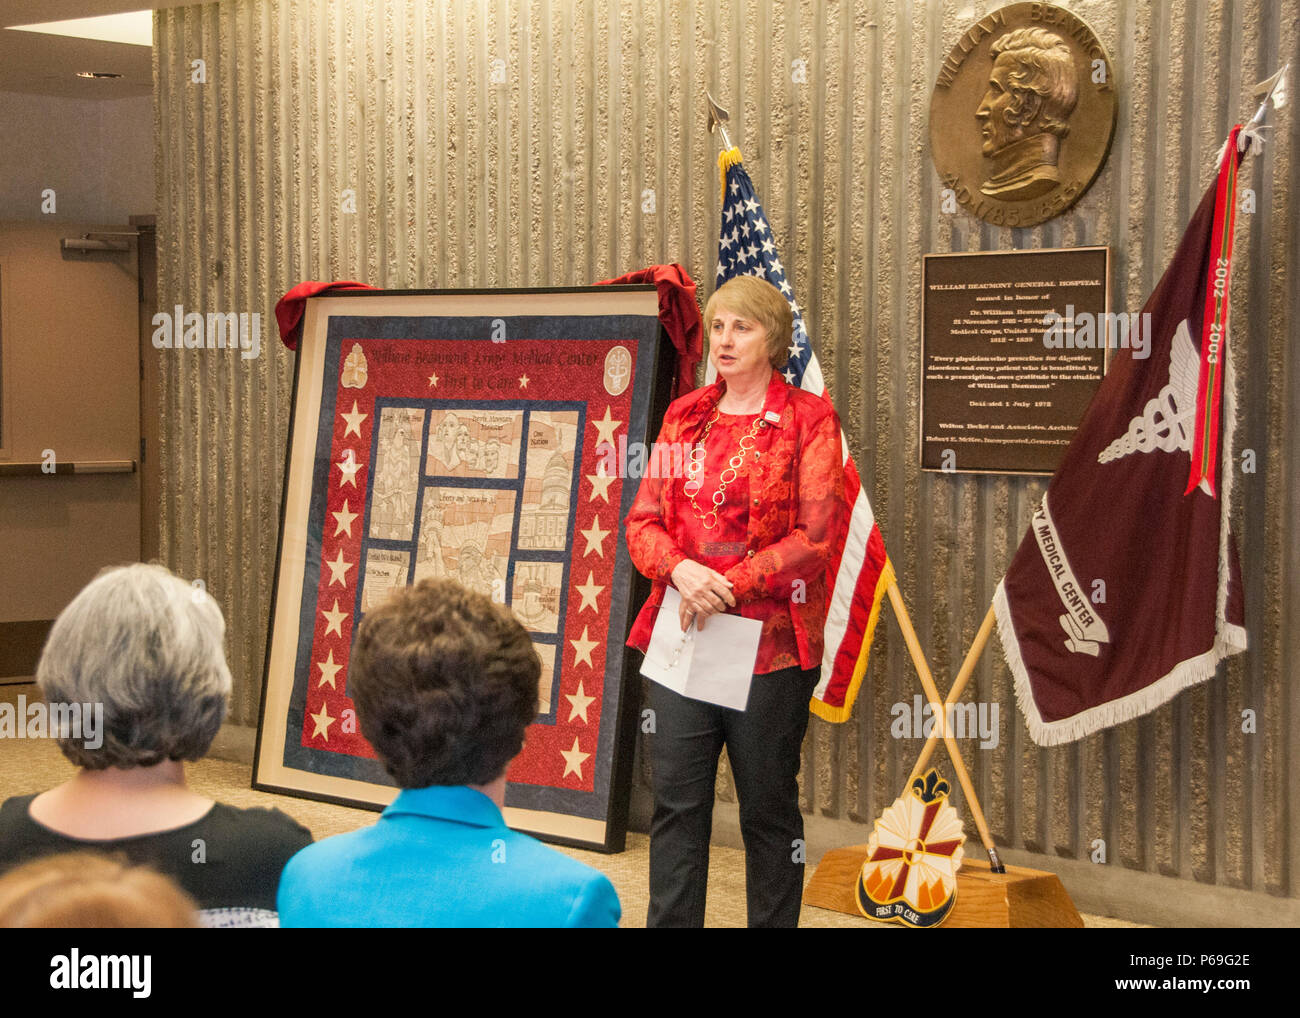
(618, 370)
(1166, 422)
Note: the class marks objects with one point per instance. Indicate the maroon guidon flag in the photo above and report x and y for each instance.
(1127, 589)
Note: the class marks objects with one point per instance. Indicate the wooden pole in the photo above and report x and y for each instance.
(963, 676)
(954, 754)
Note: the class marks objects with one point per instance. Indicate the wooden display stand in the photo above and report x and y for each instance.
(1019, 898)
(989, 894)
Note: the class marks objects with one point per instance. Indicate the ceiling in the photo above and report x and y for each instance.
(47, 64)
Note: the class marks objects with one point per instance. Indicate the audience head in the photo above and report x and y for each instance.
(445, 685)
(148, 647)
(89, 891)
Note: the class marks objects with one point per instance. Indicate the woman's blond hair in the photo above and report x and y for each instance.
(751, 297)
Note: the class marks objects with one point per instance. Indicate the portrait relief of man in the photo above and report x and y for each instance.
(1032, 91)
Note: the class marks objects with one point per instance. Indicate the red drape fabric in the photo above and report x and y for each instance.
(289, 309)
(679, 314)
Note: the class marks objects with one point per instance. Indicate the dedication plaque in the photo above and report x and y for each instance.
(1022, 114)
(1013, 347)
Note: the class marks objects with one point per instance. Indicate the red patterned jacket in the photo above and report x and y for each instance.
(793, 526)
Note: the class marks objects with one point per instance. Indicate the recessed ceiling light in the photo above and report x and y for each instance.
(98, 74)
(135, 28)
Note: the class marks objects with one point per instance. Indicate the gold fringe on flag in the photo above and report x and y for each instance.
(838, 715)
(726, 160)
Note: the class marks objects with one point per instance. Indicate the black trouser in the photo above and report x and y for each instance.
(763, 744)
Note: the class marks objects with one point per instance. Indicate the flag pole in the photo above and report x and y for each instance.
(1273, 84)
(954, 754)
(718, 118)
(967, 670)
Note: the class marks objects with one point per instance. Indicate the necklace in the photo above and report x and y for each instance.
(693, 483)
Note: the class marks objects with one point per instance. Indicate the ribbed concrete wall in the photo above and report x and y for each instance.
(514, 143)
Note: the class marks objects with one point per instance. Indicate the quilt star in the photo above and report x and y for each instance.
(349, 466)
(433, 380)
(354, 420)
(605, 428)
(600, 482)
(582, 648)
(595, 538)
(344, 519)
(573, 760)
(524, 380)
(339, 570)
(579, 703)
(589, 590)
(335, 619)
(322, 721)
(328, 669)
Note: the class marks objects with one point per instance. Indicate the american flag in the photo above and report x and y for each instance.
(860, 576)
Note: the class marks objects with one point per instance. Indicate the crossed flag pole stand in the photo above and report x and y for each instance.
(991, 897)
(940, 708)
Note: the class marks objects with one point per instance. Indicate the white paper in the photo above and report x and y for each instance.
(715, 664)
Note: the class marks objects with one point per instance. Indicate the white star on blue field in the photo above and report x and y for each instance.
(746, 248)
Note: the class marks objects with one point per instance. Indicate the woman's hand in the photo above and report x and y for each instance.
(704, 592)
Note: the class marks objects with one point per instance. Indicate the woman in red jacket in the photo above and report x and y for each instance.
(749, 528)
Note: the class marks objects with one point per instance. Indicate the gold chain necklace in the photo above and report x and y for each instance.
(693, 483)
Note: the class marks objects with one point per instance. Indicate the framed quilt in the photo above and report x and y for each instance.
(457, 434)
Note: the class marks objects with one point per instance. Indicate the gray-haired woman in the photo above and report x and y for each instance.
(135, 681)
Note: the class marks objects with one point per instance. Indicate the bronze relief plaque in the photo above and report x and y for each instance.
(1022, 114)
